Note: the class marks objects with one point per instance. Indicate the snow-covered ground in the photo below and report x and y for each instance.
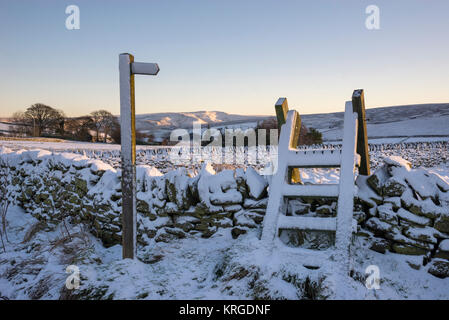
(35, 263)
(220, 267)
(192, 268)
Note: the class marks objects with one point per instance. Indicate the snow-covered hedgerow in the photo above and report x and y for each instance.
(55, 186)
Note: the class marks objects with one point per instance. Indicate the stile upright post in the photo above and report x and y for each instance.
(358, 105)
(127, 69)
(281, 108)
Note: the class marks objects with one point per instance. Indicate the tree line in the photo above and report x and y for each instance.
(40, 120)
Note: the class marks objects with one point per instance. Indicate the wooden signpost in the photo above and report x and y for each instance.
(128, 68)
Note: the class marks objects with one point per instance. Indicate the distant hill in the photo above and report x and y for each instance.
(185, 119)
(394, 121)
(161, 124)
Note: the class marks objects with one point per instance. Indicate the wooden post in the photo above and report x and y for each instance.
(128, 142)
(127, 69)
(281, 108)
(358, 105)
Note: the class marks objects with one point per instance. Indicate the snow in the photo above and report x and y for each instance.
(427, 233)
(255, 182)
(407, 215)
(190, 268)
(444, 245)
(397, 161)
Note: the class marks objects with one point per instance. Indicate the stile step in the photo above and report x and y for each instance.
(314, 158)
(307, 223)
(310, 190)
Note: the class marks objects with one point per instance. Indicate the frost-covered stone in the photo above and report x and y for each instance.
(308, 239)
(380, 245)
(426, 234)
(396, 161)
(255, 204)
(230, 197)
(413, 219)
(395, 201)
(256, 183)
(439, 268)
(236, 232)
(359, 216)
(325, 211)
(232, 208)
(244, 219)
(380, 228)
(442, 223)
(408, 249)
(377, 180)
(177, 188)
(366, 195)
(425, 208)
(393, 187)
(443, 250)
(385, 213)
(297, 207)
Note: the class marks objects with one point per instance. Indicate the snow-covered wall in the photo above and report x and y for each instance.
(53, 186)
(407, 212)
(398, 209)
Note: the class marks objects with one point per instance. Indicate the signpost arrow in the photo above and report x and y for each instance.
(127, 69)
(151, 69)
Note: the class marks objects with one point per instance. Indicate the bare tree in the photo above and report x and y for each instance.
(60, 123)
(20, 125)
(43, 117)
(79, 128)
(116, 132)
(108, 124)
(103, 121)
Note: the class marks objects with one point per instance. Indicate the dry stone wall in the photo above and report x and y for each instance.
(398, 209)
(407, 212)
(56, 186)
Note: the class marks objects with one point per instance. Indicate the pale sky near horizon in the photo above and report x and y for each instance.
(231, 56)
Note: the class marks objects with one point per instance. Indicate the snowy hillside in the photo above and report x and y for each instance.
(185, 119)
(161, 124)
(394, 121)
(397, 121)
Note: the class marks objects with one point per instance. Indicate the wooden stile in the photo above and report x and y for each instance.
(281, 108)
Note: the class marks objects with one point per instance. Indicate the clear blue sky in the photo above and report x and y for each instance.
(232, 56)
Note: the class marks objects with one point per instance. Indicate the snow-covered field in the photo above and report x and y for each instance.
(420, 151)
